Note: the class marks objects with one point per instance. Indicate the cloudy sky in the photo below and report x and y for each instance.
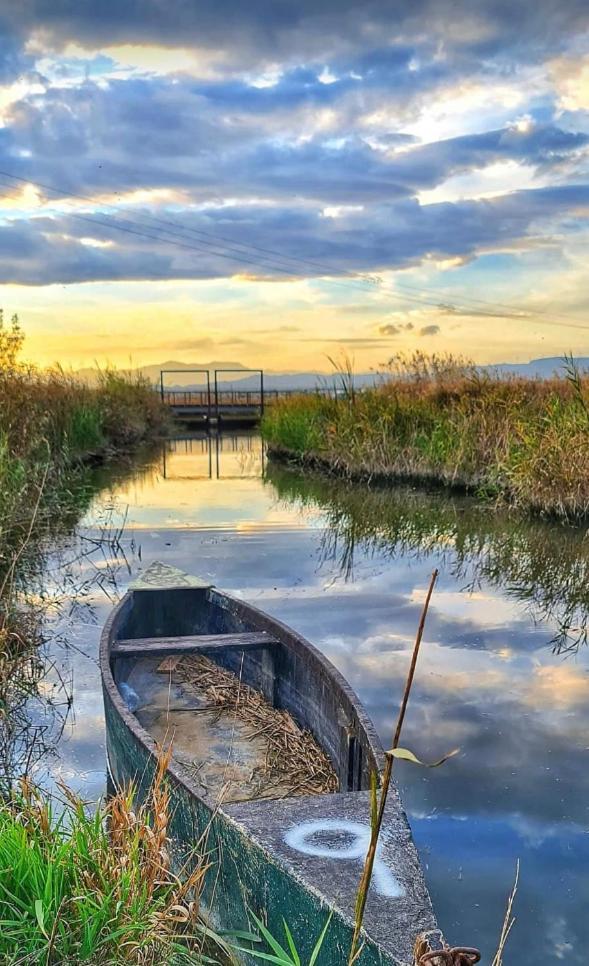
(268, 181)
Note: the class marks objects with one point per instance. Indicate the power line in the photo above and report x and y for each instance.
(230, 243)
(232, 253)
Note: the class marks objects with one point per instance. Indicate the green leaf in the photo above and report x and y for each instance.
(405, 755)
(291, 944)
(40, 916)
(251, 937)
(272, 942)
(268, 957)
(319, 942)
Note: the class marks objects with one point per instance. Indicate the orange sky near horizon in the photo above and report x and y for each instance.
(134, 324)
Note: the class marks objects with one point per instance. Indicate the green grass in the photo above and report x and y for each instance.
(518, 441)
(276, 953)
(96, 887)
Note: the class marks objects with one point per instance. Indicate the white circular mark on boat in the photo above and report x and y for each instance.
(357, 835)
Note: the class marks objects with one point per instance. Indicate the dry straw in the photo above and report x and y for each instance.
(295, 764)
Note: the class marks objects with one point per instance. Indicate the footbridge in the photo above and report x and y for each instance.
(219, 398)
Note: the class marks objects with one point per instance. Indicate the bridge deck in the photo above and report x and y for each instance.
(228, 403)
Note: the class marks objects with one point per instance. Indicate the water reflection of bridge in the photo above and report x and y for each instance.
(214, 457)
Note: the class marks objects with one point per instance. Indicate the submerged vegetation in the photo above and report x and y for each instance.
(521, 442)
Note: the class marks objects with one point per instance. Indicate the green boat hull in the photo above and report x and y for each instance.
(296, 859)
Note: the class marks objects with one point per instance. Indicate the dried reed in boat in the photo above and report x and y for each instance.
(295, 764)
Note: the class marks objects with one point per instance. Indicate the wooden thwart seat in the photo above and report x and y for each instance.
(196, 642)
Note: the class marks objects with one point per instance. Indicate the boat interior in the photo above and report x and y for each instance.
(251, 710)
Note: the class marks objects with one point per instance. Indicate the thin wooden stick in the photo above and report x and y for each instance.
(386, 781)
(507, 922)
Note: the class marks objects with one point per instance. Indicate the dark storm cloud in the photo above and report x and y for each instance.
(305, 28)
(50, 249)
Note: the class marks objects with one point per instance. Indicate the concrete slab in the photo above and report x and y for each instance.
(322, 840)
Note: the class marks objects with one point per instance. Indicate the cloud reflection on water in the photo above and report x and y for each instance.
(489, 680)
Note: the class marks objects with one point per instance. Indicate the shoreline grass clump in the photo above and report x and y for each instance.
(97, 887)
(435, 419)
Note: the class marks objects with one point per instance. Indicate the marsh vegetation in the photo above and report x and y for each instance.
(96, 886)
(520, 442)
(52, 427)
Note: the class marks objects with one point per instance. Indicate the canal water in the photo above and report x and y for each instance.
(503, 674)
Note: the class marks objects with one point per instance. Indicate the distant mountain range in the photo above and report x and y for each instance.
(181, 375)
(539, 368)
(153, 372)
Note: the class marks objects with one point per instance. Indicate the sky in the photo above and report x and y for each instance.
(276, 183)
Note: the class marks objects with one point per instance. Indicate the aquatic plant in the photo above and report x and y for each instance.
(97, 887)
(278, 954)
(521, 442)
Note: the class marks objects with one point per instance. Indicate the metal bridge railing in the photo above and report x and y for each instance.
(200, 398)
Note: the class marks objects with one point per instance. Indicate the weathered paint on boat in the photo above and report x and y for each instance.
(299, 858)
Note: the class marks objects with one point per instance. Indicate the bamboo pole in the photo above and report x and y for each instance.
(376, 824)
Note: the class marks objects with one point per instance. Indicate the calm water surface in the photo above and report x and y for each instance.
(504, 672)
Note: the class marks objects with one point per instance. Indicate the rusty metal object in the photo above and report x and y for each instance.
(455, 956)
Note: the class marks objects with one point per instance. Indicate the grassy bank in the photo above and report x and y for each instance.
(520, 441)
(82, 886)
(50, 425)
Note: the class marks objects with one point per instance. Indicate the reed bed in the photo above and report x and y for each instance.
(50, 425)
(295, 764)
(521, 442)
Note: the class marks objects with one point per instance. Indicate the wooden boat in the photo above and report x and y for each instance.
(297, 857)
